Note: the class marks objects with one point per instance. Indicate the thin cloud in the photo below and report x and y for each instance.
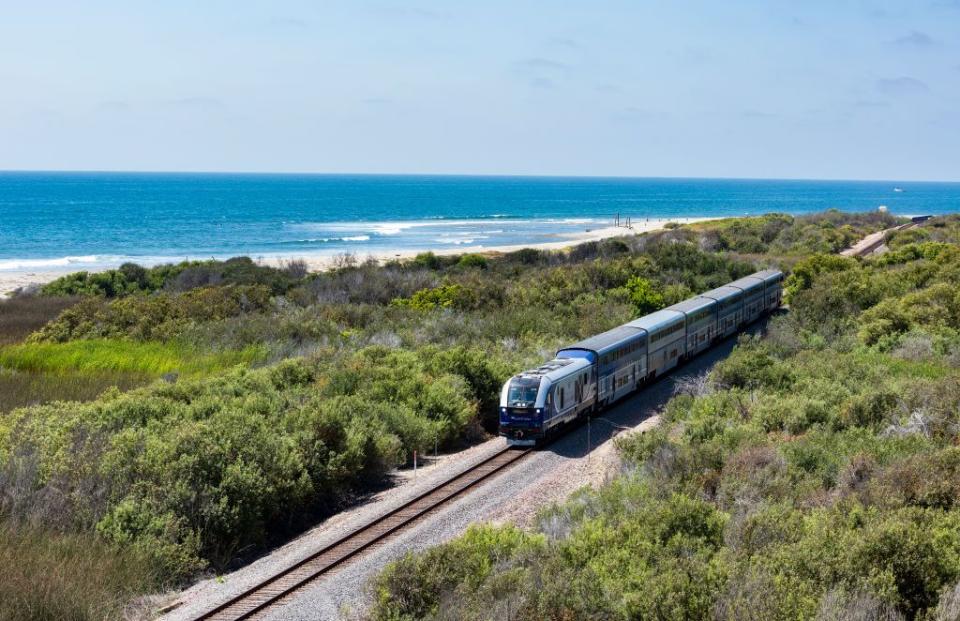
(563, 42)
(904, 85)
(757, 114)
(197, 102)
(608, 88)
(637, 114)
(378, 101)
(114, 105)
(405, 12)
(914, 39)
(288, 23)
(871, 103)
(541, 72)
(695, 55)
(542, 64)
(541, 82)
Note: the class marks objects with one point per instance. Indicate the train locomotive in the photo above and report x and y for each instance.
(595, 372)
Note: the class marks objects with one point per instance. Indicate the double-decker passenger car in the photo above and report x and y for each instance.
(597, 371)
(619, 359)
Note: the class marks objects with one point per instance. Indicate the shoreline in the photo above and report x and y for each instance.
(12, 280)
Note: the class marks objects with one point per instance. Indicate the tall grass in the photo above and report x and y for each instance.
(73, 577)
(19, 388)
(35, 373)
(22, 315)
(121, 356)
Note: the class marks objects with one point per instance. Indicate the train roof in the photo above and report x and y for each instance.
(768, 275)
(747, 282)
(657, 320)
(721, 293)
(556, 368)
(691, 305)
(604, 341)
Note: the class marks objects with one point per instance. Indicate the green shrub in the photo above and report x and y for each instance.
(410, 587)
(194, 471)
(644, 296)
(131, 278)
(428, 260)
(157, 316)
(444, 296)
(473, 260)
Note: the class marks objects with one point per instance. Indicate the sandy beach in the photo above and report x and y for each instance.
(11, 280)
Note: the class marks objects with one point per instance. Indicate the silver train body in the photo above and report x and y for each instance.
(595, 372)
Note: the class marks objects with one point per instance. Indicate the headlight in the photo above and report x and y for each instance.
(539, 410)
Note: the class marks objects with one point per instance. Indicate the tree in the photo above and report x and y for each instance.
(644, 295)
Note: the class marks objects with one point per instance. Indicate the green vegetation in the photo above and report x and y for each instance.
(20, 316)
(112, 355)
(781, 234)
(184, 417)
(130, 278)
(816, 474)
(69, 576)
(159, 316)
(191, 472)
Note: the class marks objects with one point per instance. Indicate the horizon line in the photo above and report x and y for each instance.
(462, 175)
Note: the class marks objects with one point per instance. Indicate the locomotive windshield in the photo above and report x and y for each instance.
(523, 392)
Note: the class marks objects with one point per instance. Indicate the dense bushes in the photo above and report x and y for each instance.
(131, 278)
(816, 475)
(444, 296)
(152, 317)
(365, 363)
(192, 472)
(767, 499)
(827, 232)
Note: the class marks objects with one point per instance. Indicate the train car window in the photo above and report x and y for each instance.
(561, 398)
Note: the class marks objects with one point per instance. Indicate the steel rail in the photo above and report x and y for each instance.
(268, 592)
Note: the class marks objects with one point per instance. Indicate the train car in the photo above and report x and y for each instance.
(619, 357)
(666, 340)
(599, 370)
(535, 402)
(773, 288)
(729, 309)
(753, 299)
(701, 323)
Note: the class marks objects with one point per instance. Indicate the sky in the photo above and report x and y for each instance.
(819, 89)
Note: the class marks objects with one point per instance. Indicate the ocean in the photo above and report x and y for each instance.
(93, 220)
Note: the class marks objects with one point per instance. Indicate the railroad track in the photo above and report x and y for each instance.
(267, 593)
(868, 249)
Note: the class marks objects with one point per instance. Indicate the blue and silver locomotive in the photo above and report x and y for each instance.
(597, 371)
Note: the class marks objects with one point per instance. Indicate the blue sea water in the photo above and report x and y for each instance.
(90, 220)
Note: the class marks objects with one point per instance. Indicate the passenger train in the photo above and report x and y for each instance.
(597, 371)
